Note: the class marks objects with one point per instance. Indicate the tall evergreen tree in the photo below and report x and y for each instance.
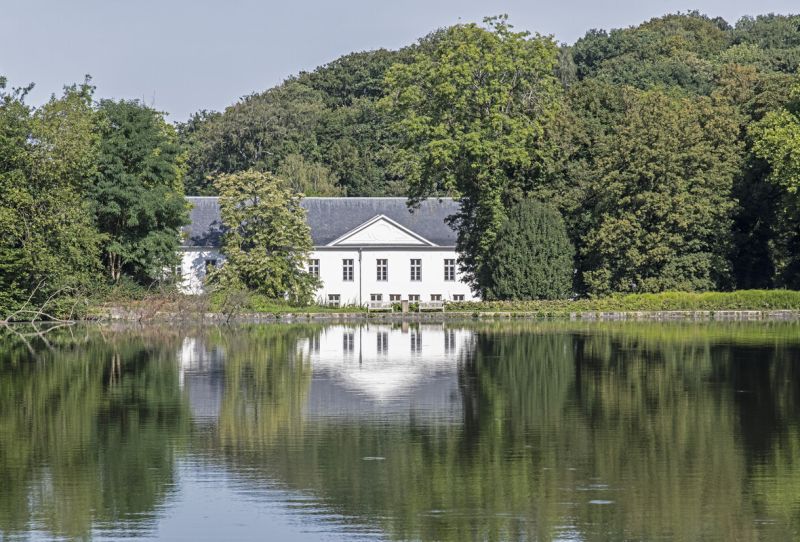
(533, 257)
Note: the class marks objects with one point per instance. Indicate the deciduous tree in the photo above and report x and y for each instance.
(47, 157)
(471, 111)
(138, 191)
(267, 240)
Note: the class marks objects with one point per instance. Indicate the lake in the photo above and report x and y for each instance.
(473, 431)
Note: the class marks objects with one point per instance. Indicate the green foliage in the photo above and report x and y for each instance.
(533, 257)
(669, 50)
(47, 157)
(267, 240)
(138, 193)
(776, 140)
(665, 301)
(647, 189)
(309, 179)
(471, 112)
(327, 117)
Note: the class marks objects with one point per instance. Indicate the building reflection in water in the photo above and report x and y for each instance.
(202, 378)
(371, 371)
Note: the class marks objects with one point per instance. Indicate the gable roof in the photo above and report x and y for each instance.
(332, 218)
(366, 233)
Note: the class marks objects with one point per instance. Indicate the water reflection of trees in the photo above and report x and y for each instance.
(557, 421)
(82, 431)
(595, 432)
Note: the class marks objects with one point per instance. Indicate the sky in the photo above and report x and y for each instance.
(182, 56)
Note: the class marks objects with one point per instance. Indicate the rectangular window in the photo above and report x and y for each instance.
(348, 341)
(334, 300)
(413, 297)
(458, 297)
(347, 270)
(449, 269)
(383, 269)
(394, 297)
(376, 297)
(383, 342)
(436, 297)
(313, 268)
(416, 269)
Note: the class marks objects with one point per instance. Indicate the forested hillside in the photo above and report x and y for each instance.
(654, 157)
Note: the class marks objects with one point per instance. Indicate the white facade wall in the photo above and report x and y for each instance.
(193, 268)
(365, 283)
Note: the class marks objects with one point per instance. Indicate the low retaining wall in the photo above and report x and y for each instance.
(118, 314)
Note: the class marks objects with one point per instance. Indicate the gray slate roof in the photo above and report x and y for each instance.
(330, 218)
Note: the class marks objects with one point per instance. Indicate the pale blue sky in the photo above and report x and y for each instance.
(184, 55)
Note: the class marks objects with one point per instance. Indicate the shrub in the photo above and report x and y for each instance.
(532, 257)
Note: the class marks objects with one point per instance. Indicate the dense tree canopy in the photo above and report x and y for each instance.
(776, 139)
(652, 174)
(138, 192)
(83, 185)
(48, 241)
(472, 114)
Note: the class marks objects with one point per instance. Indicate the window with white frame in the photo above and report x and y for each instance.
(436, 297)
(449, 269)
(382, 269)
(334, 300)
(413, 297)
(313, 268)
(394, 297)
(376, 297)
(416, 269)
(458, 297)
(347, 270)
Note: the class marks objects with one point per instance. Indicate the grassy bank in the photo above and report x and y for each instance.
(666, 301)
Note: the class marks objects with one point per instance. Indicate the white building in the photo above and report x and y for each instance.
(365, 249)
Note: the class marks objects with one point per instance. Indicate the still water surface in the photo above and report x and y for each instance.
(504, 431)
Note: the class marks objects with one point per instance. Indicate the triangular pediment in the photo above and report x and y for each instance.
(380, 231)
